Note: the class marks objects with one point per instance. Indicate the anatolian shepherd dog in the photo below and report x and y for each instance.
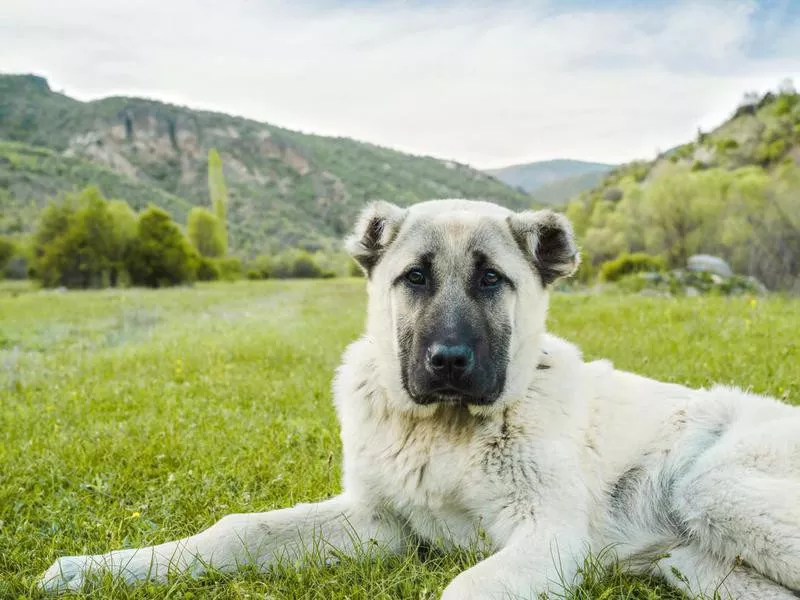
(463, 420)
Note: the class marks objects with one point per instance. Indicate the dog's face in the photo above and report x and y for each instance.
(458, 296)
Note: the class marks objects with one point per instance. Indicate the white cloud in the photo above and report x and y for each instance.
(488, 84)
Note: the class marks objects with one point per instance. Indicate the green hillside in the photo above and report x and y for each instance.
(733, 192)
(29, 175)
(286, 188)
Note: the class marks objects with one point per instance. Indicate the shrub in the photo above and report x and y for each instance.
(690, 283)
(769, 152)
(19, 267)
(304, 266)
(298, 264)
(207, 269)
(785, 103)
(160, 254)
(74, 241)
(123, 225)
(205, 232)
(726, 144)
(625, 264)
(698, 165)
(230, 268)
(639, 172)
(7, 251)
(259, 268)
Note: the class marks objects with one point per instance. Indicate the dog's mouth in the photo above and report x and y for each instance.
(451, 395)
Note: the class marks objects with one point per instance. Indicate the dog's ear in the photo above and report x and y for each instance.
(376, 228)
(547, 240)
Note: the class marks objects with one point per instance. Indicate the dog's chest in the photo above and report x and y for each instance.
(434, 474)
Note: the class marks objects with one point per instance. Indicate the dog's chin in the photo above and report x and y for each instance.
(452, 397)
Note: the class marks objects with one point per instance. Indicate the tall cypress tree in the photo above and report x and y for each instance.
(219, 195)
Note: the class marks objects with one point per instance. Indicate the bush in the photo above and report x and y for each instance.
(18, 267)
(259, 268)
(613, 194)
(298, 264)
(768, 153)
(230, 268)
(123, 225)
(305, 267)
(160, 254)
(625, 264)
(690, 283)
(726, 144)
(7, 251)
(205, 232)
(207, 269)
(74, 242)
(785, 103)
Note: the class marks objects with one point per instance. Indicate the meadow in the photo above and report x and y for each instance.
(131, 417)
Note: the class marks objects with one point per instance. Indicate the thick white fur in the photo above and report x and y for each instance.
(574, 458)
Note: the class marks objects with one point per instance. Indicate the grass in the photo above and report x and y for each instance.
(134, 417)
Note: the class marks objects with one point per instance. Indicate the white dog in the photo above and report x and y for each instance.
(463, 420)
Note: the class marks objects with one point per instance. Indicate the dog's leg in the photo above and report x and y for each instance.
(304, 532)
(743, 500)
(697, 573)
(536, 560)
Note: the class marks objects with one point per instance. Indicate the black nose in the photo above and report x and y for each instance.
(450, 361)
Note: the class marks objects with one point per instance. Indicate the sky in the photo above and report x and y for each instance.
(486, 83)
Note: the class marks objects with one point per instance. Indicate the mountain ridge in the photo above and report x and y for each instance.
(532, 177)
(287, 188)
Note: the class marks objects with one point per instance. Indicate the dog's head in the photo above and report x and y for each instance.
(458, 297)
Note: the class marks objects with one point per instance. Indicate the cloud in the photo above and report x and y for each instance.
(484, 83)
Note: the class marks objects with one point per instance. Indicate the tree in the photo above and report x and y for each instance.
(761, 231)
(205, 233)
(160, 254)
(123, 232)
(73, 240)
(219, 195)
(7, 249)
(681, 210)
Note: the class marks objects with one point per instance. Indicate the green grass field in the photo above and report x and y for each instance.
(133, 417)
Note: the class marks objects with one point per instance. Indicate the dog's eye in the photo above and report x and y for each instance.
(491, 279)
(416, 277)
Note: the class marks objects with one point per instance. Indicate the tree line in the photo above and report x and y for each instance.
(748, 216)
(83, 240)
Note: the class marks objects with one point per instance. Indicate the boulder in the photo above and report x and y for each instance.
(709, 264)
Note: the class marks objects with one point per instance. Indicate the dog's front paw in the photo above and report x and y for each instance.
(467, 587)
(491, 581)
(66, 574)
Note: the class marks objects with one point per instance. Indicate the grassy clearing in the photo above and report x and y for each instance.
(133, 417)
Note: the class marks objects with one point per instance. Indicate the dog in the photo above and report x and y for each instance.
(464, 422)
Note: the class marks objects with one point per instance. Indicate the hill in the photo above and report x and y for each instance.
(733, 191)
(286, 188)
(561, 190)
(565, 175)
(29, 175)
(763, 132)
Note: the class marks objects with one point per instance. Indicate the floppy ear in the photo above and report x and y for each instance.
(376, 228)
(547, 240)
